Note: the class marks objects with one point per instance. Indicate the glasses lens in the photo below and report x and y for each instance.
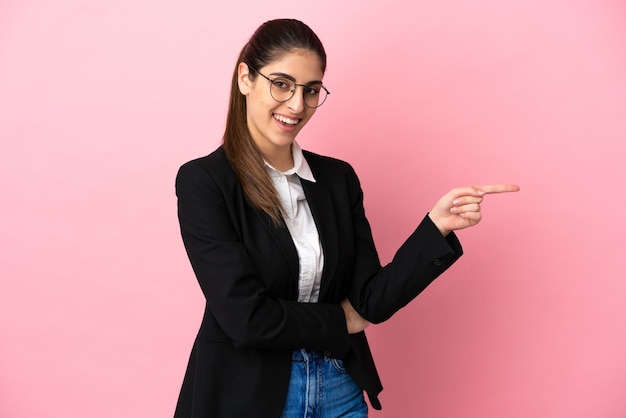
(314, 95)
(282, 89)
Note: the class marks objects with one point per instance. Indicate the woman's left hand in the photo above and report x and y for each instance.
(460, 207)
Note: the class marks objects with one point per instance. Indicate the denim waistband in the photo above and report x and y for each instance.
(303, 355)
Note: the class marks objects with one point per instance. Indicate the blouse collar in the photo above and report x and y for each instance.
(300, 166)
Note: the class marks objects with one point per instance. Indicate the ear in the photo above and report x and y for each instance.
(243, 78)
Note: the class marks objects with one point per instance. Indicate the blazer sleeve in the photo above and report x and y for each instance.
(230, 281)
(380, 291)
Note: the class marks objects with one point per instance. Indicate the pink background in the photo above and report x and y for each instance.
(100, 102)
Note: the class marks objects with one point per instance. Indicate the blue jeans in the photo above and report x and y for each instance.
(320, 387)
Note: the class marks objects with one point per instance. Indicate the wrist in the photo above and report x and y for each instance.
(438, 224)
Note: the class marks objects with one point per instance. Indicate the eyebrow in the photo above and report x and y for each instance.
(294, 80)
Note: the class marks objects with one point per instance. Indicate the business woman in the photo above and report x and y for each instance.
(279, 242)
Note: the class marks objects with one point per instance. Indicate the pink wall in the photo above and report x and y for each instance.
(100, 102)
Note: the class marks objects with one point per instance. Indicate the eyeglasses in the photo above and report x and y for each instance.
(282, 89)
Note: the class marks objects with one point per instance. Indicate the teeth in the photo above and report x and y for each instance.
(286, 120)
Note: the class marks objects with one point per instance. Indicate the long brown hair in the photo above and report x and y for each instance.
(270, 42)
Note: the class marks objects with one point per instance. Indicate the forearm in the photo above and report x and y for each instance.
(252, 317)
(378, 293)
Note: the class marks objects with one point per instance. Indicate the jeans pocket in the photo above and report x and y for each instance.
(338, 365)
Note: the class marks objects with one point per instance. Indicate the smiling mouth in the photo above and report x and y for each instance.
(286, 121)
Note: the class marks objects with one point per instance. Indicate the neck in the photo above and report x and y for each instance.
(281, 160)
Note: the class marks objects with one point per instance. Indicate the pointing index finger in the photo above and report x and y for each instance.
(498, 188)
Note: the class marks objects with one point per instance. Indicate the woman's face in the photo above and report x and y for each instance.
(274, 125)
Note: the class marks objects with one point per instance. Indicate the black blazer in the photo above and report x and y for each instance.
(248, 271)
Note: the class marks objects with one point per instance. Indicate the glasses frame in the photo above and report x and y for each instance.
(293, 92)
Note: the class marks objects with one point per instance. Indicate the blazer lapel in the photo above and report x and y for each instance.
(321, 204)
(282, 238)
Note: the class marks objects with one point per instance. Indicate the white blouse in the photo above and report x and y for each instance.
(300, 223)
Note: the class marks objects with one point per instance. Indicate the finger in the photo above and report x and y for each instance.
(464, 200)
(461, 192)
(498, 188)
(475, 217)
(472, 207)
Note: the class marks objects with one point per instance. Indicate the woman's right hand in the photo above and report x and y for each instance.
(355, 322)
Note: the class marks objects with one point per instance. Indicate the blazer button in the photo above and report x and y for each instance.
(437, 262)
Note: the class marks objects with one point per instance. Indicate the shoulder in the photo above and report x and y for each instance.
(216, 160)
(208, 171)
(215, 164)
(334, 174)
(321, 164)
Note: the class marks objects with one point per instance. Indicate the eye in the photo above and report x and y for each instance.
(312, 90)
(282, 84)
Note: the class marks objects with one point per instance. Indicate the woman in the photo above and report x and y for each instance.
(280, 245)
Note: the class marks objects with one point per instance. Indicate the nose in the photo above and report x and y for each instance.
(296, 103)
